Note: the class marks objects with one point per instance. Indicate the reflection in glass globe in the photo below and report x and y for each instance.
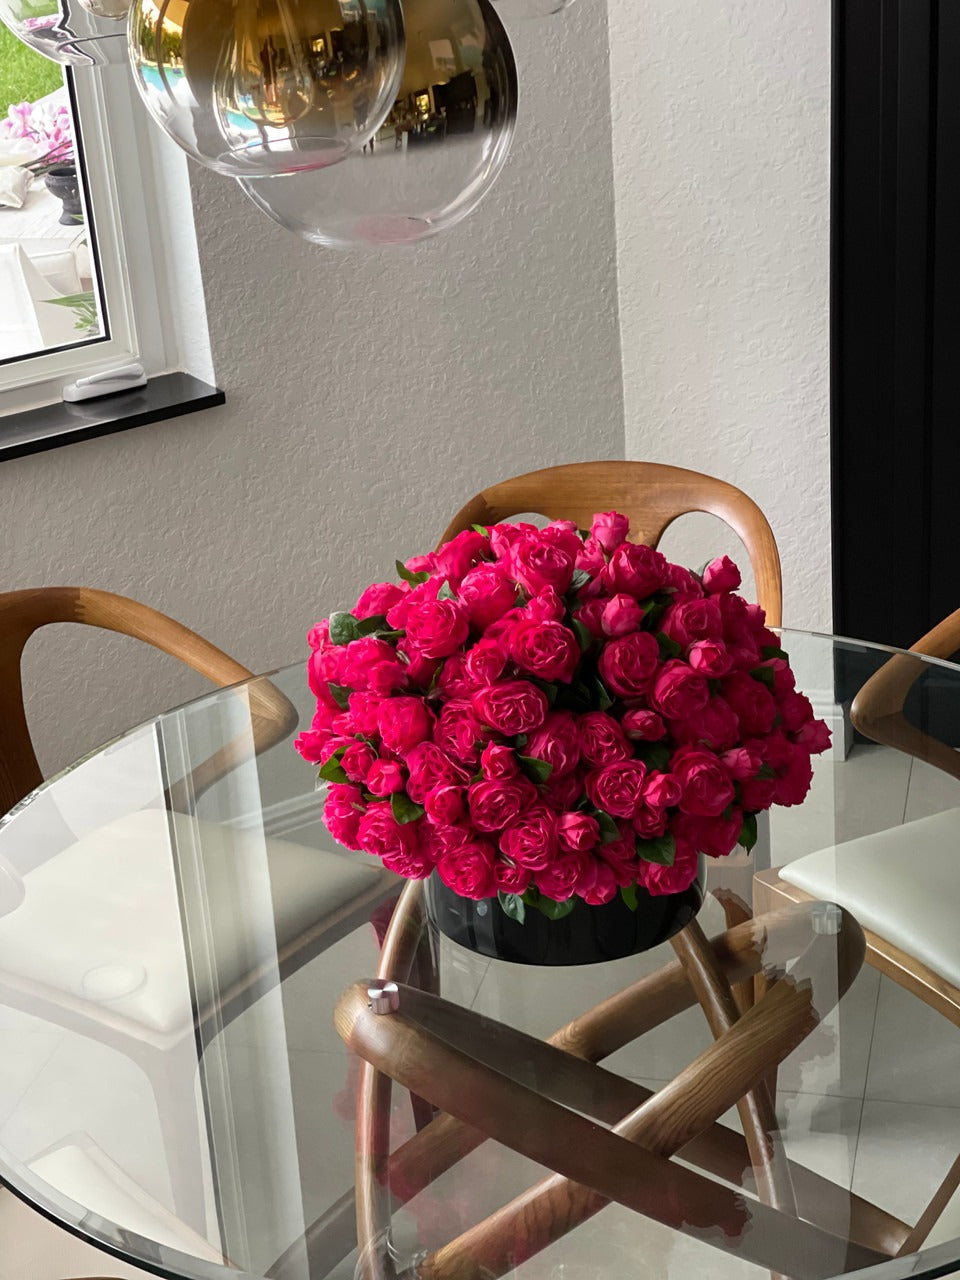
(437, 153)
(63, 32)
(267, 86)
(518, 10)
(116, 10)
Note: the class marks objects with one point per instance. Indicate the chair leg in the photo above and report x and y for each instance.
(173, 1079)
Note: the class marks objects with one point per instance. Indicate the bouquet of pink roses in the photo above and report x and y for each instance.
(549, 714)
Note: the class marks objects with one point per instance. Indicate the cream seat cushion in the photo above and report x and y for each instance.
(101, 920)
(901, 884)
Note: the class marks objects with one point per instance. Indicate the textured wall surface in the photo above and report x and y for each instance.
(721, 164)
(367, 398)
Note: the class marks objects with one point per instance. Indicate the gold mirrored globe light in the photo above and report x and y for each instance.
(438, 151)
(252, 87)
(65, 32)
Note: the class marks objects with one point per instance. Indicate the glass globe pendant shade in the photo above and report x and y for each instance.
(115, 10)
(66, 32)
(439, 150)
(253, 87)
(520, 10)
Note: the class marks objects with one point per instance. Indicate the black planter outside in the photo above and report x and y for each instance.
(62, 181)
(588, 935)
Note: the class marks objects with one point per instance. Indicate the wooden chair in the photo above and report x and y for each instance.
(317, 896)
(901, 884)
(651, 494)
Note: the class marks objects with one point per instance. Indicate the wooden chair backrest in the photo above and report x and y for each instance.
(24, 612)
(877, 710)
(650, 494)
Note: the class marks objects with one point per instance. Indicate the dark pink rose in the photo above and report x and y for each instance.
(795, 710)
(602, 740)
(439, 839)
(319, 635)
(591, 615)
(311, 743)
(398, 844)
(565, 791)
(678, 691)
(504, 536)
(706, 789)
(715, 725)
(512, 707)
(454, 680)
(536, 563)
(635, 569)
(784, 680)
(333, 743)
(621, 615)
(682, 584)
(713, 837)
(497, 803)
(420, 670)
(371, 664)
(532, 840)
(378, 599)
(545, 606)
(365, 711)
(590, 558)
(609, 529)
(557, 741)
(740, 630)
(563, 534)
(814, 736)
(752, 702)
(756, 793)
(649, 822)
(627, 664)
(597, 883)
(342, 811)
(458, 556)
(485, 662)
(618, 788)
(469, 870)
(403, 722)
(384, 778)
(429, 768)
(548, 650)
(658, 880)
(510, 878)
(621, 855)
(662, 790)
(643, 726)
(742, 762)
(498, 762)
(459, 732)
(558, 880)
(791, 763)
(691, 621)
(437, 628)
(710, 658)
(446, 805)
(577, 831)
(721, 575)
(357, 760)
(412, 600)
(486, 594)
(324, 668)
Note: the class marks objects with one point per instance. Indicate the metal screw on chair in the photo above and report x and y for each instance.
(385, 998)
(826, 917)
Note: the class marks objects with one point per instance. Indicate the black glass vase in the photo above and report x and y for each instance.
(588, 935)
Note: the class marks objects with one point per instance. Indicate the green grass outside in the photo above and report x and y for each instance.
(25, 75)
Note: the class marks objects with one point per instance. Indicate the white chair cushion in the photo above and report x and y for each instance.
(102, 920)
(901, 884)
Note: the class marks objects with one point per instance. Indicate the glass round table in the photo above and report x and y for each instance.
(230, 1047)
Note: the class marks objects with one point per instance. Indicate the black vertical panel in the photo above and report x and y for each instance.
(884, 107)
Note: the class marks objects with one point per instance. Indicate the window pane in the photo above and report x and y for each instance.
(50, 292)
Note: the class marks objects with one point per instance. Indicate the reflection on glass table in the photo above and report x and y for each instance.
(187, 1070)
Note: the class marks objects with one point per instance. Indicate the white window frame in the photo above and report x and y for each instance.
(148, 268)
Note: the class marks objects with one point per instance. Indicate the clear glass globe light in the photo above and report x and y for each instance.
(439, 150)
(64, 32)
(520, 10)
(253, 87)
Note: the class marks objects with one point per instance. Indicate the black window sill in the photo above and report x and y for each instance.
(168, 396)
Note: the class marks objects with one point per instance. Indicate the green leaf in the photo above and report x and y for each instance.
(555, 910)
(520, 740)
(409, 576)
(343, 628)
(376, 622)
(583, 633)
(748, 832)
(446, 592)
(628, 892)
(481, 528)
(604, 699)
(764, 675)
(537, 770)
(655, 755)
(580, 579)
(331, 770)
(341, 695)
(766, 771)
(512, 904)
(772, 651)
(668, 647)
(531, 895)
(662, 850)
(404, 809)
(545, 687)
(609, 831)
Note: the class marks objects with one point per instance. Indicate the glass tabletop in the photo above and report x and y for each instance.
(202, 1073)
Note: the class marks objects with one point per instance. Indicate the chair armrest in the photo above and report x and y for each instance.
(12, 890)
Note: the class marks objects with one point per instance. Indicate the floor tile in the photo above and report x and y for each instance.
(915, 1055)
(931, 791)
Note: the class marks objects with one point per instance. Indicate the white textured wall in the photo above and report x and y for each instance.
(721, 155)
(367, 398)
